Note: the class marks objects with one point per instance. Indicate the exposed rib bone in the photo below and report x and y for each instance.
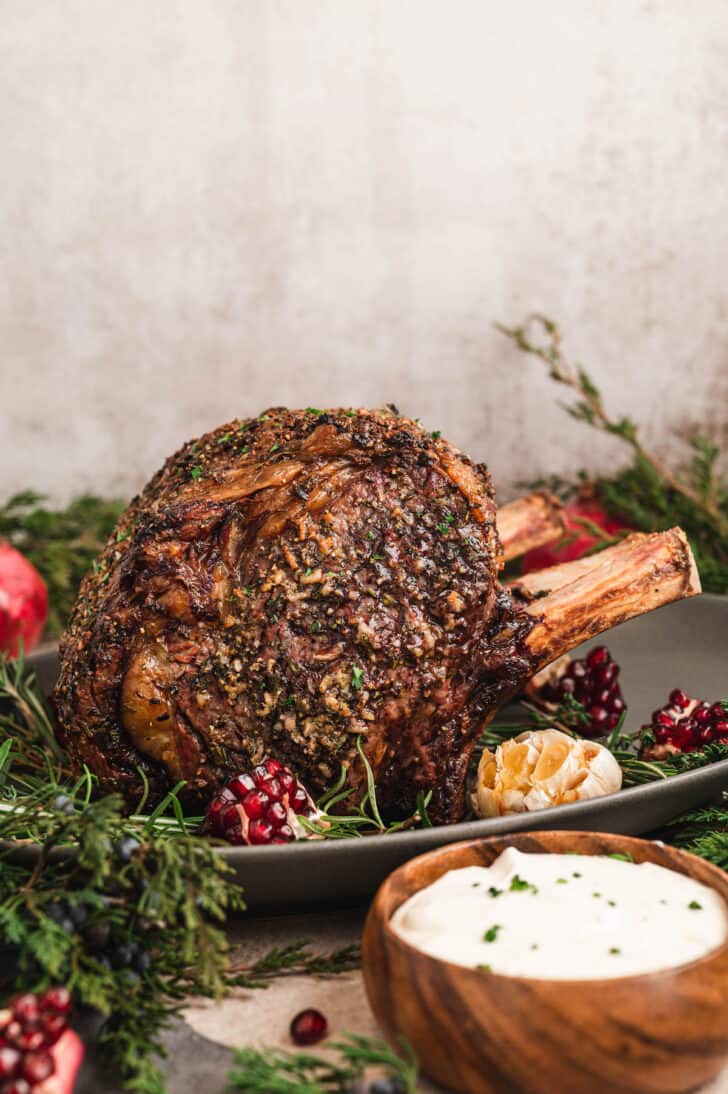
(578, 600)
(529, 522)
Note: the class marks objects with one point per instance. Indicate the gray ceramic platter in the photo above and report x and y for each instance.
(683, 645)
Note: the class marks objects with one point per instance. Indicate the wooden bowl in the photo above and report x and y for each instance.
(480, 1032)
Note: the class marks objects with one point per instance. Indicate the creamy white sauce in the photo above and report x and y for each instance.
(564, 917)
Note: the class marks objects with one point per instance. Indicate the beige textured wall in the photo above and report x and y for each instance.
(210, 206)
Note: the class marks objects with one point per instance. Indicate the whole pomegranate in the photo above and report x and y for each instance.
(23, 602)
(577, 539)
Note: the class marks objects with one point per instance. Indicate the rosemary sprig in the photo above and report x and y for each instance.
(61, 543)
(363, 818)
(648, 495)
(296, 959)
(273, 1071)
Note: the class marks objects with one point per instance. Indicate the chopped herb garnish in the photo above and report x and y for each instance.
(313, 410)
(357, 677)
(224, 439)
(475, 885)
(534, 945)
(492, 933)
(315, 627)
(695, 906)
(444, 527)
(576, 874)
(484, 968)
(614, 949)
(121, 536)
(612, 903)
(562, 881)
(596, 895)
(435, 434)
(626, 857)
(274, 447)
(492, 891)
(196, 473)
(519, 885)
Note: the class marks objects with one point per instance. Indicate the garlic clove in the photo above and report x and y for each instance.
(542, 768)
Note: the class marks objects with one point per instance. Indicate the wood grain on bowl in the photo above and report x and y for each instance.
(481, 1033)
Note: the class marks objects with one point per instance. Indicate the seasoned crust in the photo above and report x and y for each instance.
(282, 586)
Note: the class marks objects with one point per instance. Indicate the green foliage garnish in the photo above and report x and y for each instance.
(295, 959)
(72, 917)
(357, 678)
(61, 543)
(492, 933)
(648, 495)
(364, 818)
(273, 1071)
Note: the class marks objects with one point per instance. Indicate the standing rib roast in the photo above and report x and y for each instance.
(295, 583)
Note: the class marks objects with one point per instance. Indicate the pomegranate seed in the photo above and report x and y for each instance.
(214, 814)
(31, 1040)
(703, 715)
(260, 832)
(678, 698)
(598, 656)
(57, 999)
(599, 717)
(300, 801)
(16, 1086)
(229, 818)
(273, 789)
(255, 804)
(277, 814)
(288, 782)
(594, 683)
(259, 807)
(240, 785)
(25, 1008)
(721, 727)
(37, 1066)
(309, 1027)
(9, 1062)
(53, 1027)
(12, 1031)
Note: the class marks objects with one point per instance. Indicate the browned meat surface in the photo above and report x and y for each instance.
(284, 586)
(295, 583)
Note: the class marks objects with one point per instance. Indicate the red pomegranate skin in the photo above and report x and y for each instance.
(68, 1056)
(553, 555)
(23, 602)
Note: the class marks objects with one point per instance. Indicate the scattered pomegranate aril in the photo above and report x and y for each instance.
(261, 807)
(309, 1027)
(684, 724)
(37, 1044)
(592, 681)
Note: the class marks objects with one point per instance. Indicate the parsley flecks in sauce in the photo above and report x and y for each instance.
(645, 921)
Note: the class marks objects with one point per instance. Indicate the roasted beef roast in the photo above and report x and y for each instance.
(297, 583)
